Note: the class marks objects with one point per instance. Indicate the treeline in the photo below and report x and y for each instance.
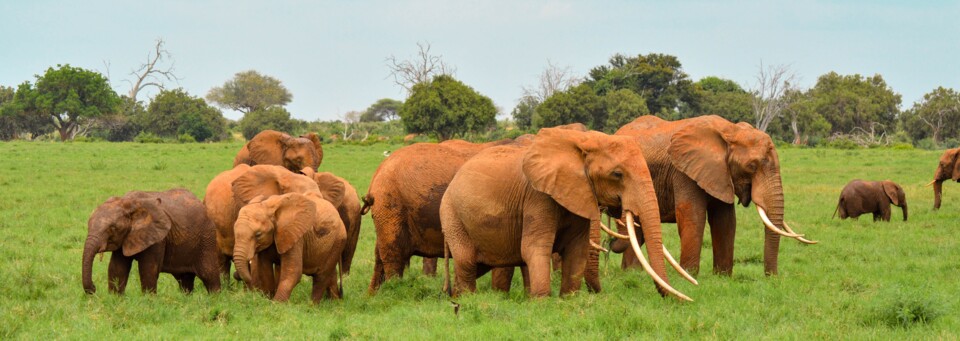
(839, 110)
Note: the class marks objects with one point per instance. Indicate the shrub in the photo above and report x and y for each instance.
(842, 143)
(145, 137)
(186, 138)
(905, 309)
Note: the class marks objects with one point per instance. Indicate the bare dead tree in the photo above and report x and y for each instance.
(769, 98)
(553, 79)
(937, 123)
(407, 73)
(149, 74)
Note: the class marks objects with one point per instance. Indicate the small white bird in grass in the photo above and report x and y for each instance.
(386, 153)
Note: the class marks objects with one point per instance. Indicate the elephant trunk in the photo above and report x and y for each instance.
(773, 200)
(592, 272)
(91, 247)
(904, 210)
(937, 191)
(241, 260)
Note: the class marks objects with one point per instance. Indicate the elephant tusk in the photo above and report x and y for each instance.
(801, 239)
(610, 232)
(597, 247)
(646, 265)
(931, 183)
(773, 228)
(676, 266)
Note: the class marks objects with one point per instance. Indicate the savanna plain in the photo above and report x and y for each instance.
(864, 280)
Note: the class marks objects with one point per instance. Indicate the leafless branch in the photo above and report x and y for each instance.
(553, 79)
(407, 73)
(768, 95)
(148, 74)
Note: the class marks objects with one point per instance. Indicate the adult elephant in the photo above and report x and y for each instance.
(302, 234)
(230, 190)
(948, 169)
(163, 231)
(271, 147)
(699, 166)
(349, 210)
(404, 200)
(516, 205)
(859, 197)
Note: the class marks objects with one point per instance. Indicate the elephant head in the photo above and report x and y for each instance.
(268, 180)
(279, 219)
(948, 169)
(730, 160)
(272, 147)
(896, 195)
(130, 223)
(581, 170)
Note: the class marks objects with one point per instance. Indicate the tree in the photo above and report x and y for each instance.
(274, 118)
(445, 107)
(724, 98)
(768, 94)
(578, 105)
(121, 126)
(801, 118)
(421, 69)
(175, 112)
(250, 91)
(936, 116)
(385, 109)
(523, 112)
(69, 95)
(854, 103)
(149, 73)
(553, 79)
(622, 107)
(658, 78)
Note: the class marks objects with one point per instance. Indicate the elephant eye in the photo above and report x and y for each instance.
(617, 174)
(258, 233)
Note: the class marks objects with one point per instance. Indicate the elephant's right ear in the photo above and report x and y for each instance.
(267, 147)
(255, 181)
(700, 152)
(332, 187)
(890, 189)
(554, 165)
(294, 216)
(149, 225)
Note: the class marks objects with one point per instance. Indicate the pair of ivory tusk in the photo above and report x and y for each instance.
(787, 232)
(666, 253)
(801, 239)
(646, 265)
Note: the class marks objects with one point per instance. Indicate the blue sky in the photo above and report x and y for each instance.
(331, 55)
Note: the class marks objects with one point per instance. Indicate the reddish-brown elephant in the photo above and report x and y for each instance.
(302, 234)
(947, 169)
(516, 205)
(271, 147)
(699, 166)
(859, 197)
(163, 231)
(349, 210)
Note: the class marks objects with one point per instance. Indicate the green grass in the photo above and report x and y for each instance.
(864, 280)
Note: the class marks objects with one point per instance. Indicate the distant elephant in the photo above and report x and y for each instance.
(516, 205)
(231, 190)
(349, 210)
(859, 197)
(404, 200)
(699, 166)
(302, 233)
(271, 147)
(163, 231)
(948, 168)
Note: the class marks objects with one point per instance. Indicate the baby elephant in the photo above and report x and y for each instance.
(859, 197)
(163, 231)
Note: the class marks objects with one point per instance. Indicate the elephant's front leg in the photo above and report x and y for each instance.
(118, 272)
(691, 212)
(501, 279)
(536, 248)
(291, 269)
(723, 230)
(264, 275)
(185, 280)
(148, 264)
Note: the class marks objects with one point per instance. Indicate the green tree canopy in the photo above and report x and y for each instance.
(853, 102)
(580, 104)
(384, 109)
(658, 78)
(523, 112)
(69, 95)
(446, 107)
(175, 112)
(622, 107)
(274, 118)
(937, 116)
(250, 91)
(721, 97)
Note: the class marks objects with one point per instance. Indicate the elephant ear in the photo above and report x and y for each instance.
(890, 189)
(148, 225)
(256, 181)
(331, 186)
(267, 147)
(956, 165)
(554, 165)
(295, 215)
(700, 152)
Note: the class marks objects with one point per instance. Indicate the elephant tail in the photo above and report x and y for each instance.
(367, 203)
(340, 278)
(446, 270)
(837, 210)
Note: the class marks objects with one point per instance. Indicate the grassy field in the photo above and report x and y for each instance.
(865, 280)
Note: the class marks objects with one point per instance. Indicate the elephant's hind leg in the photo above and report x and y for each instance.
(186, 281)
(723, 230)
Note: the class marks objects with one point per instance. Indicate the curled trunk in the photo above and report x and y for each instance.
(241, 261)
(90, 250)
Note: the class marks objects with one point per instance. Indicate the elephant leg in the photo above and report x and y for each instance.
(148, 265)
(536, 248)
(723, 230)
(555, 261)
(265, 275)
(430, 266)
(291, 269)
(691, 220)
(392, 243)
(211, 280)
(525, 273)
(118, 272)
(378, 275)
(464, 254)
(225, 263)
(574, 256)
(186, 281)
(501, 279)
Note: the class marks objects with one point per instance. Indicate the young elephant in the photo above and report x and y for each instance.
(163, 231)
(302, 233)
(947, 169)
(859, 197)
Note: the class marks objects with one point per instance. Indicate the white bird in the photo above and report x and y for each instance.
(386, 153)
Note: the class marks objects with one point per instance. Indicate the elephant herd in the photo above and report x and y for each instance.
(535, 202)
